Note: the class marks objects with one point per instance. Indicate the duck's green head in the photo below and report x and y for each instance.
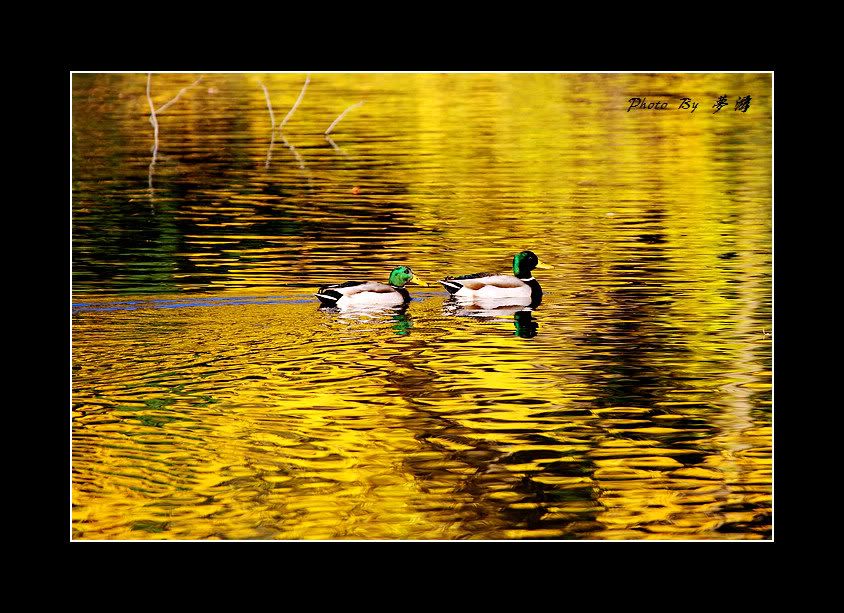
(526, 261)
(402, 275)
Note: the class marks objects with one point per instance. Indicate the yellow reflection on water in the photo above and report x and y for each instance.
(639, 409)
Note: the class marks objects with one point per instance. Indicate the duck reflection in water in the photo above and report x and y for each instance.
(398, 316)
(526, 325)
(489, 310)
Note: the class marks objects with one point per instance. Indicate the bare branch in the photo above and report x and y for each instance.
(294, 152)
(343, 114)
(269, 105)
(152, 118)
(337, 148)
(154, 121)
(298, 101)
(177, 96)
(272, 124)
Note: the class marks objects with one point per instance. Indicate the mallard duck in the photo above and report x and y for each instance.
(485, 286)
(371, 293)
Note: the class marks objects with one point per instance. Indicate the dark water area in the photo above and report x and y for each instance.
(213, 399)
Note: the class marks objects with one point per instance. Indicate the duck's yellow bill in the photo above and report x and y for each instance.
(415, 279)
(540, 264)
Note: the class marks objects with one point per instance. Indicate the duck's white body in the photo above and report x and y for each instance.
(489, 287)
(365, 294)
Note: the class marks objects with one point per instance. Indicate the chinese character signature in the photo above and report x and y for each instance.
(742, 103)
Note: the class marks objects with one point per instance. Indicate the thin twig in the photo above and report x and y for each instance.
(154, 121)
(298, 100)
(336, 147)
(295, 153)
(152, 116)
(179, 95)
(343, 114)
(272, 124)
(331, 142)
(151, 190)
(269, 105)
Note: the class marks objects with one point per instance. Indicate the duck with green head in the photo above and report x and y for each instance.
(371, 293)
(519, 288)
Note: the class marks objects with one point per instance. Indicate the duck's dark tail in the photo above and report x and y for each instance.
(451, 286)
(328, 297)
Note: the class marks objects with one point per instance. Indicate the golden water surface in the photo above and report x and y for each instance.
(213, 399)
